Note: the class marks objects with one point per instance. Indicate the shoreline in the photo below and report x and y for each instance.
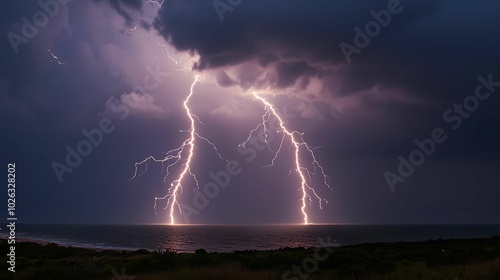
(44, 242)
(230, 238)
(98, 248)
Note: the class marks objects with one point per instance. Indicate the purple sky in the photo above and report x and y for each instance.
(364, 112)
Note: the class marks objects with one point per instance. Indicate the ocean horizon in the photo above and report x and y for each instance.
(230, 238)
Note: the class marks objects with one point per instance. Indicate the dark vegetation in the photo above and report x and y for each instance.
(437, 259)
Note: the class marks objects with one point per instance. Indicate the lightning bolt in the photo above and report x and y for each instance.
(176, 156)
(156, 3)
(173, 157)
(298, 143)
(55, 57)
(168, 53)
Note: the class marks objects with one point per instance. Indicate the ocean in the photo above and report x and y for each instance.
(229, 238)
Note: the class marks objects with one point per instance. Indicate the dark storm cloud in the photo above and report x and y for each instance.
(289, 72)
(426, 59)
(292, 30)
(423, 33)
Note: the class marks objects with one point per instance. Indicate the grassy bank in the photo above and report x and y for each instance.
(439, 259)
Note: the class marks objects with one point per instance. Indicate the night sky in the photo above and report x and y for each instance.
(421, 89)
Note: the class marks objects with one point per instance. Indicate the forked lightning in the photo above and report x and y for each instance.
(298, 143)
(173, 157)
